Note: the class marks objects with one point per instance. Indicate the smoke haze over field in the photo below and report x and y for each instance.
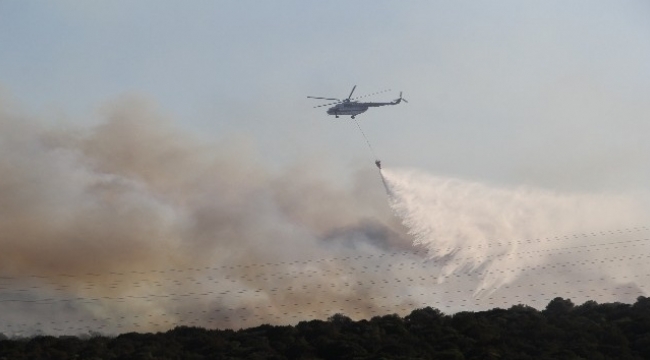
(134, 195)
(134, 224)
(517, 172)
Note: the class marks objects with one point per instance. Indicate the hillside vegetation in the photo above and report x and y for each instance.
(561, 331)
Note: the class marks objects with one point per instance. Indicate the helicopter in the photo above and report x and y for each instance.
(352, 107)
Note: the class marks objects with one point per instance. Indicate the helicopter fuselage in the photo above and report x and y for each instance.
(347, 108)
(352, 107)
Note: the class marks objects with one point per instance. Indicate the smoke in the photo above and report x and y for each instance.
(137, 225)
(134, 218)
(472, 226)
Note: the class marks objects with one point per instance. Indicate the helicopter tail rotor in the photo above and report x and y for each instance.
(401, 98)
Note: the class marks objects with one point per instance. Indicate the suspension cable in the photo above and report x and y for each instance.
(372, 151)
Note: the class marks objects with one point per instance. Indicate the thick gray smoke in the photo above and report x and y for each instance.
(135, 225)
(136, 218)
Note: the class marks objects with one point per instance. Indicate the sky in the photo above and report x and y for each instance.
(545, 93)
(175, 134)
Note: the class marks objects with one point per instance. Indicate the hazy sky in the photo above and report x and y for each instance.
(163, 138)
(547, 93)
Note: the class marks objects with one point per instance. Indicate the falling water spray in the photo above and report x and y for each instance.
(471, 226)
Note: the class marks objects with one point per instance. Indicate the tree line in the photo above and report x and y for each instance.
(561, 331)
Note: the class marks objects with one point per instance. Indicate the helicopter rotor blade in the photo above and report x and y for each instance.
(334, 103)
(323, 98)
(375, 93)
(401, 98)
(354, 87)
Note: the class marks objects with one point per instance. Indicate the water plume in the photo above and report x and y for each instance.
(473, 226)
